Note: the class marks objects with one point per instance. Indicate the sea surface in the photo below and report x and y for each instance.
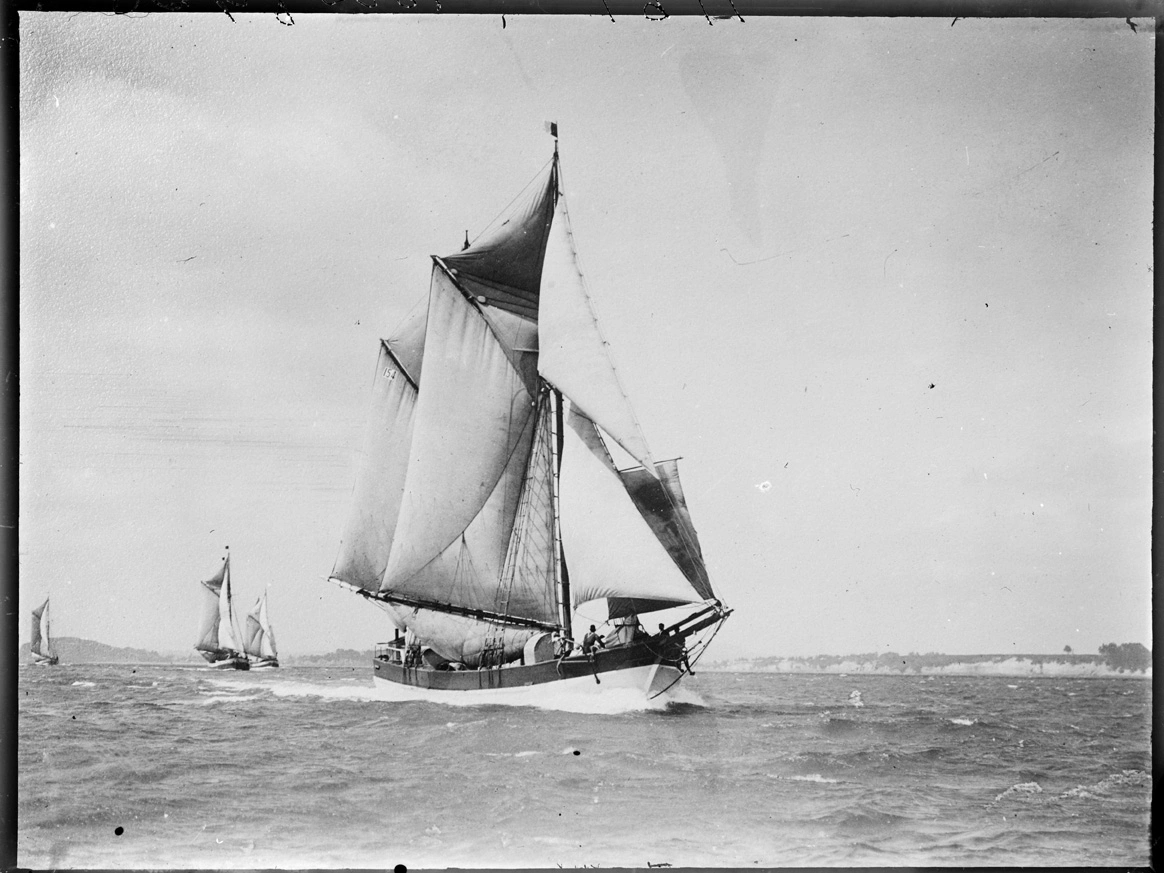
(173, 766)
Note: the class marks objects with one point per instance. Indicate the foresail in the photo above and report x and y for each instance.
(267, 648)
(375, 508)
(610, 548)
(661, 503)
(472, 435)
(573, 355)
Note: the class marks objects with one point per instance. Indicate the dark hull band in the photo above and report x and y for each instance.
(667, 653)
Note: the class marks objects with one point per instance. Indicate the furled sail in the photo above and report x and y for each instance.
(613, 550)
(260, 639)
(42, 641)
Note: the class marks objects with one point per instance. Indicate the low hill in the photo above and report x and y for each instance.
(75, 650)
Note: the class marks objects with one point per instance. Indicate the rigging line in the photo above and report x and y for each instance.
(594, 315)
(516, 197)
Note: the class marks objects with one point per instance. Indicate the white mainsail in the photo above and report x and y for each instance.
(42, 642)
(453, 526)
(260, 638)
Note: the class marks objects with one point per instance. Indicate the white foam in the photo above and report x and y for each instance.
(964, 721)
(85, 684)
(1021, 788)
(593, 699)
(811, 777)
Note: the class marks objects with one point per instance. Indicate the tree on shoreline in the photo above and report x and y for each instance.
(1128, 656)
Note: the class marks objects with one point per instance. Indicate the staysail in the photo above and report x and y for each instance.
(42, 641)
(454, 525)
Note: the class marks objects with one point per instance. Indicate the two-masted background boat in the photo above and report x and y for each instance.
(489, 504)
(41, 647)
(259, 643)
(219, 635)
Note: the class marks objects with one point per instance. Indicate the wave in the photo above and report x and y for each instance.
(809, 777)
(1021, 788)
(1126, 778)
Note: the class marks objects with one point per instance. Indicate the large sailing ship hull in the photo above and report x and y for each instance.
(653, 665)
(44, 661)
(618, 669)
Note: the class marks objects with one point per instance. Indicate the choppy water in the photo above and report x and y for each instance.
(162, 766)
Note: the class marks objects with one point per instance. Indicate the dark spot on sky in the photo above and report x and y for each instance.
(931, 384)
(399, 868)
(576, 752)
(119, 830)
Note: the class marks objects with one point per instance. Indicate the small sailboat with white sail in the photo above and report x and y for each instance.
(259, 643)
(219, 633)
(42, 650)
(490, 506)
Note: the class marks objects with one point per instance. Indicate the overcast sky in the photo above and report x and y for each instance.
(885, 286)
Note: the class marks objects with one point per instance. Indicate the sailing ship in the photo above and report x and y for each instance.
(489, 505)
(259, 643)
(43, 653)
(219, 634)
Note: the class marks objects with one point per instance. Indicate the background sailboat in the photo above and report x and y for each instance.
(489, 505)
(259, 644)
(219, 634)
(43, 653)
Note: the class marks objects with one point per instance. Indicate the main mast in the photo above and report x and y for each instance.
(561, 573)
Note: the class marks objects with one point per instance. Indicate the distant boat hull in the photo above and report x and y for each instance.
(44, 660)
(229, 662)
(264, 663)
(650, 666)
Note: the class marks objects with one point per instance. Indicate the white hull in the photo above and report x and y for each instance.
(653, 683)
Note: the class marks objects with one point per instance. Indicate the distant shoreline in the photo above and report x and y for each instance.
(1023, 666)
(73, 650)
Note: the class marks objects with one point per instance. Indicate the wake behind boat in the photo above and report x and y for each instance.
(489, 506)
(42, 650)
(219, 634)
